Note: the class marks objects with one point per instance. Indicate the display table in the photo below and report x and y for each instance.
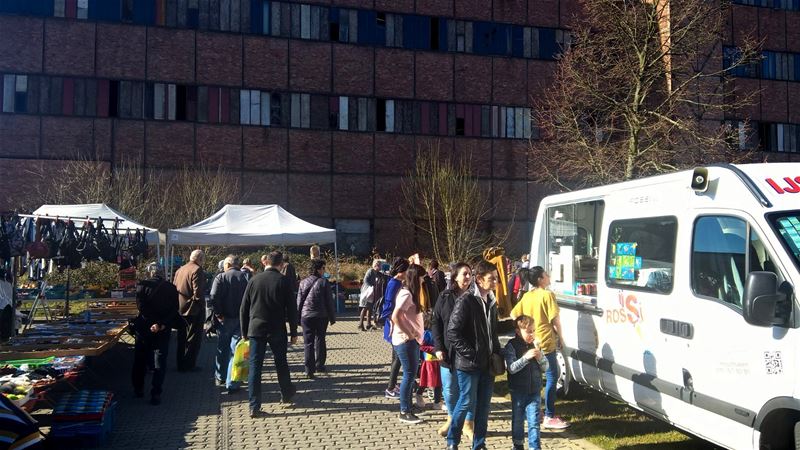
(107, 320)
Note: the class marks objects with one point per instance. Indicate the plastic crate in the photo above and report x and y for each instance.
(83, 418)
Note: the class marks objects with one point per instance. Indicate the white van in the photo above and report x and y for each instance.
(677, 296)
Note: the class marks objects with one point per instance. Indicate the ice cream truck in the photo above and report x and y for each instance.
(677, 296)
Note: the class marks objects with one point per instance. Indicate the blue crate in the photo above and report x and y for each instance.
(89, 433)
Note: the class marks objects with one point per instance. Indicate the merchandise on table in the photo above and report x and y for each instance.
(87, 416)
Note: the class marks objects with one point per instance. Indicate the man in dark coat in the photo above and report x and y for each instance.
(190, 281)
(157, 302)
(437, 275)
(266, 307)
(315, 305)
(226, 300)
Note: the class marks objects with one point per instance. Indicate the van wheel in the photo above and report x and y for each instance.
(563, 383)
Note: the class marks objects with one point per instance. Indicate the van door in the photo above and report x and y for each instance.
(732, 368)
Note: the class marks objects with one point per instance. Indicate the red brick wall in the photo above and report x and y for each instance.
(260, 69)
(265, 148)
(310, 66)
(510, 82)
(262, 188)
(128, 141)
(169, 144)
(219, 59)
(309, 151)
(388, 196)
(170, 55)
(120, 51)
(793, 99)
(773, 101)
(352, 152)
(434, 76)
(543, 13)
(773, 30)
(443, 8)
(394, 154)
(511, 11)
(19, 136)
(793, 32)
(310, 194)
(67, 138)
(510, 159)
(472, 79)
(394, 73)
(473, 9)
(21, 44)
(352, 69)
(352, 196)
(219, 146)
(69, 47)
(394, 236)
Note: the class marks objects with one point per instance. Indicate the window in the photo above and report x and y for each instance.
(15, 93)
(573, 236)
(724, 250)
(641, 254)
(301, 111)
(276, 110)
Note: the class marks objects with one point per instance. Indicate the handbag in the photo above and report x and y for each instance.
(498, 365)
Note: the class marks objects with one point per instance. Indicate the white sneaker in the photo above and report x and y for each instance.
(555, 423)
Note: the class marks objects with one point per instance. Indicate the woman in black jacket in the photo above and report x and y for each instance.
(315, 306)
(462, 278)
(472, 333)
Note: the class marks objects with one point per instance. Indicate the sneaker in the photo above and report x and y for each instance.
(555, 423)
(421, 401)
(408, 417)
(391, 393)
(416, 411)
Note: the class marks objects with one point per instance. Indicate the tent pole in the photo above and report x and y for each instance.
(338, 279)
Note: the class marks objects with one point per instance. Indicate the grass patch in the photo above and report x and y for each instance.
(611, 424)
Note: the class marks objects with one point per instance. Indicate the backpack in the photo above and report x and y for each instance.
(379, 293)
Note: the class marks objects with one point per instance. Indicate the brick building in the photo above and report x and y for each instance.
(318, 106)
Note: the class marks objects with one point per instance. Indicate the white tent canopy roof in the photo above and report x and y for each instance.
(244, 225)
(93, 211)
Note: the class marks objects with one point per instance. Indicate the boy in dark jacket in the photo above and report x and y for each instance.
(525, 383)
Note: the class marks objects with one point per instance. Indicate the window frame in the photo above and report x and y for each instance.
(609, 283)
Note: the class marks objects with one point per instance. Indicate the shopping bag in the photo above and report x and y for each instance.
(366, 295)
(241, 361)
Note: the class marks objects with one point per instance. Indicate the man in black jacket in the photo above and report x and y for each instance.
(462, 277)
(157, 302)
(472, 333)
(266, 307)
(226, 300)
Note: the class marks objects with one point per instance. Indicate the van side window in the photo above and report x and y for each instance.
(724, 250)
(641, 254)
(573, 236)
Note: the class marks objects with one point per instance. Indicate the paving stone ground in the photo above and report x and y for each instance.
(344, 409)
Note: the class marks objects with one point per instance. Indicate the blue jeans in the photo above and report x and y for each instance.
(526, 407)
(408, 354)
(278, 343)
(550, 387)
(450, 391)
(228, 333)
(475, 392)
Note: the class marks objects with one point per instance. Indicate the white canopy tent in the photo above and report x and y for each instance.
(93, 211)
(252, 225)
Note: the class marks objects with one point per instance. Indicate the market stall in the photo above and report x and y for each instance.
(252, 225)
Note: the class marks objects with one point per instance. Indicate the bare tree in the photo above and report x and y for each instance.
(643, 89)
(445, 201)
(160, 198)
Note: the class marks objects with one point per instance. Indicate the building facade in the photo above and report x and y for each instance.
(319, 106)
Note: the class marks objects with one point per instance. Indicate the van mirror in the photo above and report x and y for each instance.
(700, 179)
(762, 298)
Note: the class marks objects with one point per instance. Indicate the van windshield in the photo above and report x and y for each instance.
(787, 225)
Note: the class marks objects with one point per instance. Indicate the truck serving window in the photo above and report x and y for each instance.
(787, 225)
(573, 234)
(641, 254)
(724, 250)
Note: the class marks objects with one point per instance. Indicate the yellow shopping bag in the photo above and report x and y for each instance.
(241, 361)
